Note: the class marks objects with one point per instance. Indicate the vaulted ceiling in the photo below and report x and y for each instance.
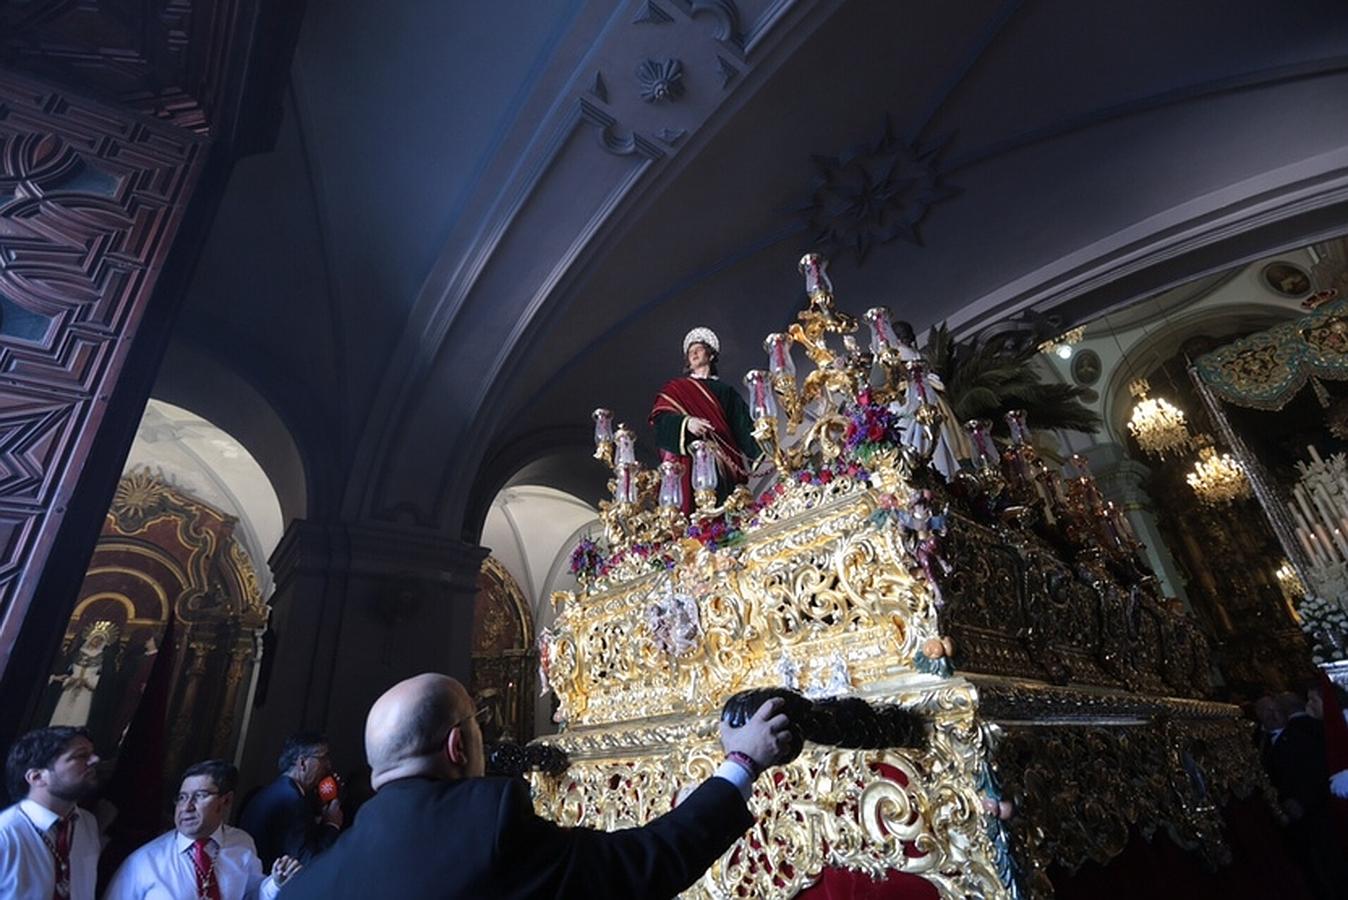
(481, 221)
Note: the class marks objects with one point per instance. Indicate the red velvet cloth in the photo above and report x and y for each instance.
(841, 884)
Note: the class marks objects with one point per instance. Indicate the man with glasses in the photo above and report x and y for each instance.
(436, 828)
(202, 857)
(48, 845)
(286, 818)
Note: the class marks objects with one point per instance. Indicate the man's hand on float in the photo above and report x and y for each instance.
(764, 738)
(698, 426)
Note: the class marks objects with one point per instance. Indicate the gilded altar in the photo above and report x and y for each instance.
(1061, 696)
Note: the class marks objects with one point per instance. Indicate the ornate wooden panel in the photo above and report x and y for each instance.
(90, 199)
(161, 57)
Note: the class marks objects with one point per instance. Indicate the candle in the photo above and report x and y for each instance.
(762, 403)
(1317, 553)
(883, 338)
(1325, 542)
(625, 483)
(778, 348)
(603, 426)
(1300, 519)
(812, 266)
(1315, 454)
(626, 442)
(671, 484)
(704, 467)
(1305, 544)
(1300, 494)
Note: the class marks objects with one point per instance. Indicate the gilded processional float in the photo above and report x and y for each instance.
(898, 560)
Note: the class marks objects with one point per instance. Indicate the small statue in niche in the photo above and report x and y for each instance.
(924, 528)
(79, 683)
(546, 640)
(674, 623)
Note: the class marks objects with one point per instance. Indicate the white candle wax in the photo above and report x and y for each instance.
(1300, 494)
(1326, 544)
(1305, 543)
(1315, 454)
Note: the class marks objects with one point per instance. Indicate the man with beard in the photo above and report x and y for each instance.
(202, 856)
(48, 845)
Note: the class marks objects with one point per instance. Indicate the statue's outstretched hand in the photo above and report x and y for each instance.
(698, 426)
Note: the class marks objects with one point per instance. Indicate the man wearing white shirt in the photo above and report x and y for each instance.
(203, 858)
(49, 846)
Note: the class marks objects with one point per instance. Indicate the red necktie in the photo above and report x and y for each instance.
(207, 888)
(64, 829)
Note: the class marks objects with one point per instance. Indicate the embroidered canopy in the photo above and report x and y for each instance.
(1265, 370)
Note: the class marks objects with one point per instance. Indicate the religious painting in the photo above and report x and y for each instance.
(1286, 279)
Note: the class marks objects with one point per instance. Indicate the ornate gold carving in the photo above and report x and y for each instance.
(870, 811)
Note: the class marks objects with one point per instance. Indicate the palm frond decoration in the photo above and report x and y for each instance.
(986, 380)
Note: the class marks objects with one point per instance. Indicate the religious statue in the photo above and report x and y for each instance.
(80, 680)
(929, 429)
(925, 527)
(699, 406)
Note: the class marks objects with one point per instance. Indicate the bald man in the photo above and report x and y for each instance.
(437, 829)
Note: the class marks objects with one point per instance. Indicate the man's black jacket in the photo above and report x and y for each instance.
(480, 838)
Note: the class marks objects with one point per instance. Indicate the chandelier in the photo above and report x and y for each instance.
(1217, 479)
(1289, 581)
(1157, 425)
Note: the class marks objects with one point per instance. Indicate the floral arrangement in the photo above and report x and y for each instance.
(1326, 623)
(716, 533)
(586, 560)
(871, 428)
(591, 559)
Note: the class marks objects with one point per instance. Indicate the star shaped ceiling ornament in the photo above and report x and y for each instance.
(875, 193)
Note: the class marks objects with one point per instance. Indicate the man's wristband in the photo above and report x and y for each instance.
(746, 762)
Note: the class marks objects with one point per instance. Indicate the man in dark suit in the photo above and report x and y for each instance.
(284, 818)
(1298, 769)
(437, 829)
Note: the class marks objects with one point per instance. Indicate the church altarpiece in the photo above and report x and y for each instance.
(167, 577)
(504, 660)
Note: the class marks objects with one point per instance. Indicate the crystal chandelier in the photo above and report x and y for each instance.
(1157, 425)
(1217, 479)
(1289, 581)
